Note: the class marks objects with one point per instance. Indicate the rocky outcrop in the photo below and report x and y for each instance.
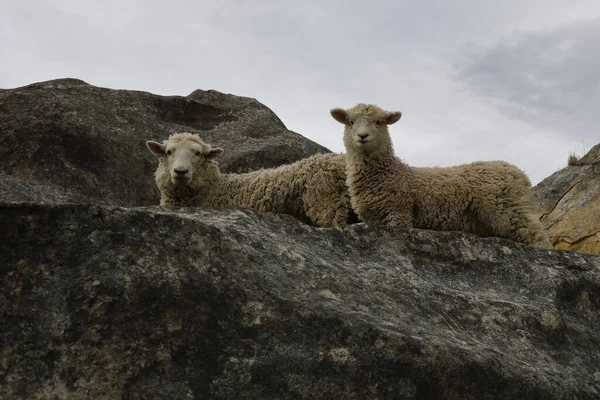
(139, 303)
(101, 299)
(84, 143)
(569, 203)
(591, 157)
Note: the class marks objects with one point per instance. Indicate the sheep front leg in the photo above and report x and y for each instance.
(399, 218)
(529, 230)
(389, 209)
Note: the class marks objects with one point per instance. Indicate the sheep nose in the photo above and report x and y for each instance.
(181, 171)
(363, 135)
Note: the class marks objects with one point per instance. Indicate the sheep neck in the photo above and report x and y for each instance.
(220, 190)
(374, 172)
(212, 186)
(374, 161)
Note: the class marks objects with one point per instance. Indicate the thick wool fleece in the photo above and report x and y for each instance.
(312, 190)
(485, 198)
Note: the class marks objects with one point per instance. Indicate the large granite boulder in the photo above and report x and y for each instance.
(70, 140)
(144, 303)
(569, 203)
(104, 299)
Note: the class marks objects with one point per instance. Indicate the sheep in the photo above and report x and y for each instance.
(484, 198)
(312, 190)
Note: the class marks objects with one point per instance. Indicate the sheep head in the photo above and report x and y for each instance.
(184, 158)
(366, 128)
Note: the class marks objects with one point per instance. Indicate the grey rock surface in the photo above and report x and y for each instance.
(77, 141)
(569, 205)
(147, 303)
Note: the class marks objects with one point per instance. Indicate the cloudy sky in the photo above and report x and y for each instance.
(474, 79)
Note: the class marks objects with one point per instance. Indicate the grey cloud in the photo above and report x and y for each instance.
(549, 78)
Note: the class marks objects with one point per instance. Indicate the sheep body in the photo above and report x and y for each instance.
(489, 198)
(312, 190)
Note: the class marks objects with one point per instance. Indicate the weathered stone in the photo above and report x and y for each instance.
(74, 140)
(13, 189)
(256, 137)
(149, 303)
(569, 203)
(591, 157)
(107, 302)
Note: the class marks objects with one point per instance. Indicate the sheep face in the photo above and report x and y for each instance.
(184, 155)
(366, 126)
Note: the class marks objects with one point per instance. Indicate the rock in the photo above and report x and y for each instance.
(569, 204)
(100, 301)
(74, 141)
(133, 303)
(591, 157)
(13, 189)
(256, 138)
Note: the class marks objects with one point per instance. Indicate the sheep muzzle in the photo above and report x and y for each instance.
(180, 176)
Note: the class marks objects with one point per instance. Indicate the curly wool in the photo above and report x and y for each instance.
(485, 198)
(312, 190)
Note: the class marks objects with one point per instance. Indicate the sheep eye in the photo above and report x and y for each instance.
(351, 122)
(198, 153)
(169, 152)
(377, 122)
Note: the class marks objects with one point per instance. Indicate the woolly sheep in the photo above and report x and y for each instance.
(485, 198)
(312, 190)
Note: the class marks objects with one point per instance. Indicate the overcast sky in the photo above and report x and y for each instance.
(474, 79)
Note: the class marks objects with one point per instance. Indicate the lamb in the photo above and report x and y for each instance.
(312, 190)
(484, 198)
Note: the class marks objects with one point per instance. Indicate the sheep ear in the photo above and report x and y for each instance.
(213, 153)
(340, 115)
(157, 148)
(393, 117)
